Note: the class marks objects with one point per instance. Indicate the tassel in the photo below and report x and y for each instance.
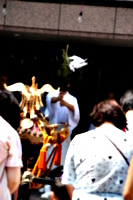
(42, 160)
(57, 157)
(45, 137)
(62, 138)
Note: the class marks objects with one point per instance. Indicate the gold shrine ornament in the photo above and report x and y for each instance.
(31, 96)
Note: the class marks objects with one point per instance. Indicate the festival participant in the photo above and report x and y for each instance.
(63, 107)
(10, 160)
(127, 104)
(10, 111)
(110, 96)
(97, 161)
(10, 148)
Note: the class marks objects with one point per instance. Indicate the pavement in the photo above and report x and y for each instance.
(36, 195)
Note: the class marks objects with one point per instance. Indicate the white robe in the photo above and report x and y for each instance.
(59, 114)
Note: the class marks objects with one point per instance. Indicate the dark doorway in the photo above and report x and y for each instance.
(109, 68)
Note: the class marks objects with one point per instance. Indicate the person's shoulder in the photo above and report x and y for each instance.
(8, 133)
(120, 137)
(129, 135)
(53, 93)
(82, 137)
(71, 96)
(119, 133)
(3, 122)
(6, 129)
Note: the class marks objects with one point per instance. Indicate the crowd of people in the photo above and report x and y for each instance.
(97, 164)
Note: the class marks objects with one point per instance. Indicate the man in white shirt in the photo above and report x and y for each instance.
(63, 107)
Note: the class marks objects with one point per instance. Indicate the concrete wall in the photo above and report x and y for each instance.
(107, 22)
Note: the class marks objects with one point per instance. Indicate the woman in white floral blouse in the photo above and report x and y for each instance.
(97, 161)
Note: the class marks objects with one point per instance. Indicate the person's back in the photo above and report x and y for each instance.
(9, 165)
(94, 166)
(10, 159)
(4, 151)
(99, 167)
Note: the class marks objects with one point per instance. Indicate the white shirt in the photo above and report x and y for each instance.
(95, 167)
(59, 114)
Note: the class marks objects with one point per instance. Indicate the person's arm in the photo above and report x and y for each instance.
(69, 106)
(14, 161)
(13, 178)
(54, 99)
(128, 188)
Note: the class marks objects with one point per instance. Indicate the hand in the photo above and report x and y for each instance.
(61, 95)
(69, 106)
(63, 103)
(56, 99)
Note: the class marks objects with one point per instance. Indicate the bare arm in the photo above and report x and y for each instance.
(70, 190)
(62, 102)
(128, 188)
(13, 178)
(69, 106)
(55, 99)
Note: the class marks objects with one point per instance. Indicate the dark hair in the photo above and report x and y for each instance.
(126, 100)
(63, 85)
(9, 109)
(4, 72)
(108, 111)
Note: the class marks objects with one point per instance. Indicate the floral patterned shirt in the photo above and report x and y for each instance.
(95, 167)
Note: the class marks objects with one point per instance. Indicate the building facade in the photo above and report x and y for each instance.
(103, 23)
